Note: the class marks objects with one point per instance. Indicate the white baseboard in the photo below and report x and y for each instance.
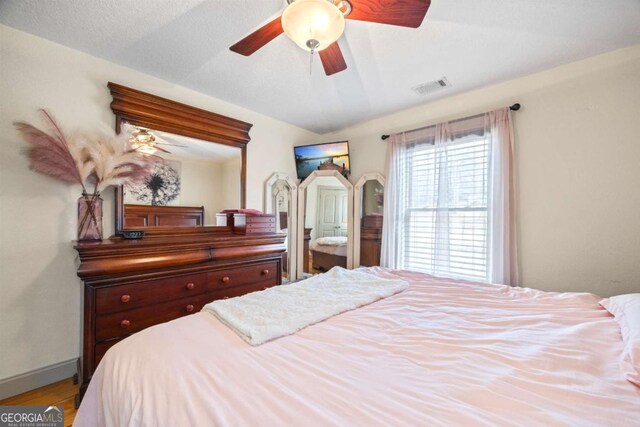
(38, 378)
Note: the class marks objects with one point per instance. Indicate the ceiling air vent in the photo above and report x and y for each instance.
(431, 87)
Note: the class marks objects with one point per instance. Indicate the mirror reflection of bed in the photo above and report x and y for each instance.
(326, 214)
(195, 180)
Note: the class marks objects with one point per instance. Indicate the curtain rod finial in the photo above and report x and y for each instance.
(384, 137)
(515, 107)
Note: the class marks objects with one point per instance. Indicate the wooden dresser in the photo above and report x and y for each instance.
(371, 240)
(132, 285)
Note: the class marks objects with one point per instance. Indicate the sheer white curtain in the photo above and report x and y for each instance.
(394, 204)
(449, 200)
(503, 262)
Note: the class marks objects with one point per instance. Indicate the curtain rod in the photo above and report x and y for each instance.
(514, 107)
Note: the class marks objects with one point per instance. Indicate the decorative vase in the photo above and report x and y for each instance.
(89, 217)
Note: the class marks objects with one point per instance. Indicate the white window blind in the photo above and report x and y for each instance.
(446, 181)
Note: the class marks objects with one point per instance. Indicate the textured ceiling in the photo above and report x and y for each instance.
(472, 42)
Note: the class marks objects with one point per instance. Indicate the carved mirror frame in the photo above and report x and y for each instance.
(151, 111)
(292, 230)
(301, 210)
(357, 205)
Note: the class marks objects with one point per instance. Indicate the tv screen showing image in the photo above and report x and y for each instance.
(327, 156)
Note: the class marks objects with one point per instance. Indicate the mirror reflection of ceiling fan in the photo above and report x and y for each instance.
(316, 25)
(145, 141)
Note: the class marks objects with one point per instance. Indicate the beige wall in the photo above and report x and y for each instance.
(578, 161)
(40, 294)
(369, 201)
(231, 180)
(201, 184)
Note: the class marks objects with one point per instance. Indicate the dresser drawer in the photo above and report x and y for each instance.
(258, 273)
(239, 290)
(260, 228)
(254, 224)
(102, 348)
(127, 322)
(141, 294)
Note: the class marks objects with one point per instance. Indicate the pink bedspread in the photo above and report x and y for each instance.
(442, 352)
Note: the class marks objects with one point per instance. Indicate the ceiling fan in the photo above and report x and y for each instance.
(316, 25)
(143, 140)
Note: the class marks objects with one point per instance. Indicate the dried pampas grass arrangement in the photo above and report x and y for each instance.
(50, 153)
(113, 161)
(97, 162)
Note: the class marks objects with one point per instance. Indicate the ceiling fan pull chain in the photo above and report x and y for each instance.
(312, 44)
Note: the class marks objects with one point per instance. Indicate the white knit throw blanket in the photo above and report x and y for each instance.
(262, 316)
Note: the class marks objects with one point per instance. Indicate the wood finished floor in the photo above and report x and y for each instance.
(61, 393)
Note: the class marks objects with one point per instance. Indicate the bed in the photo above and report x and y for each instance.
(440, 353)
(328, 252)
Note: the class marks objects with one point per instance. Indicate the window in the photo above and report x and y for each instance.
(449, 203)
(446, 210)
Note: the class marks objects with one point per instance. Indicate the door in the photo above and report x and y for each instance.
(332, 212)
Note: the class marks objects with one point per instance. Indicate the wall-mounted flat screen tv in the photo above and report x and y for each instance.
(327, 156)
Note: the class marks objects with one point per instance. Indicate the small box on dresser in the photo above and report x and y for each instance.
(224, 219)
(254, 224)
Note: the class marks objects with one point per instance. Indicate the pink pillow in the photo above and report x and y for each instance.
(250, 211)
(626, 310)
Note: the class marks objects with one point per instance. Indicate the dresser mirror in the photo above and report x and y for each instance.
(325, 223)
(202, 171)
(281, 199)
(191, 182)
(368, 219)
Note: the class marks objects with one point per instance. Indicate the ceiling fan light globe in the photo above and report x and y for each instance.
(145, 149)
(320, 20)
(143, 136)
(146, 139)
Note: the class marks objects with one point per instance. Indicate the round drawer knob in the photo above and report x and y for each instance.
(190, 285)
(265, 272)
(225, 279)
(125, 298)
(189, 308)
(125, 324)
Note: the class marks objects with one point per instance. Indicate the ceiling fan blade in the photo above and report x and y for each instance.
(332, 59)
(168, 139)
(170, 144)
(403, 13)
(161, 149)
(259, 38)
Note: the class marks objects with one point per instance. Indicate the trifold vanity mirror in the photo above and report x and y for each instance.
(281, 199)
(324, 236)
(368, 220)
(203, 167)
